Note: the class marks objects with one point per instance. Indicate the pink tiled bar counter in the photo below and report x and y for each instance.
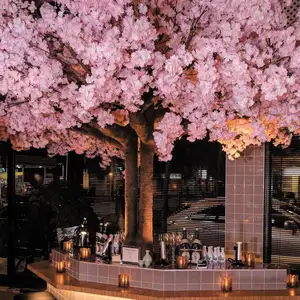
(172, 279)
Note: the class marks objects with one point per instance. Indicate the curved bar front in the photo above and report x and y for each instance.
(194, 279)
(65, 287)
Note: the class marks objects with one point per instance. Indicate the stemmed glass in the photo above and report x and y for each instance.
(173, 240)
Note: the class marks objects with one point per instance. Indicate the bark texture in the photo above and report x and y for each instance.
(146, 194)
(165, 213)
(131, 191)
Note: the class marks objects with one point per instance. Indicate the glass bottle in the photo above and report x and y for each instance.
(116, 244)
(99, 237)
(204, 253)
(184, 246)
(106, 253)
(103, 239)
(196, 248)
(210, 254)
(83, 238)
(163, 251)
(215, 256)
(222, 255)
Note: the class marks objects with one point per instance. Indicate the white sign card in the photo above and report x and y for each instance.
(130, 255)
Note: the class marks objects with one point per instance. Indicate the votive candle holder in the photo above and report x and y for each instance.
(182, 262)
(85, 253)
(226, 284)
(292, 281)
(123, 280)
(60, 267)
(67, 246)
(250, 260)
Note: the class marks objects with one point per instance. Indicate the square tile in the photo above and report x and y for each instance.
(245, 277)
(181, 277)
(216, 287)
(271, 286)
(181, 287)
(102, 279)
(113, 281)
(207, 287)
(146, 285)
(245, 286)
(270, 276)
(195, 277)
(194, 287)
(169, 277)
(158, 287)
(208, 277)
(230, 180)
(92, 278)
(147, 275)
(136, 284)
(257, 287)
(235, 286)
(92, 270)
(281, 276)
(82, 277)
(258, 277)
(113, 271)
(136, 275)
(158, 276)
(102, 271)
(169, 287)
(82, 268)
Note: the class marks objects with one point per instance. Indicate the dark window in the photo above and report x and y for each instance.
(285, 203)
(196, 191)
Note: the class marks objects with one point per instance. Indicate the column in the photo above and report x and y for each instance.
(244, 206)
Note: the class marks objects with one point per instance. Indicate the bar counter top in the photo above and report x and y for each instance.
(65, 282)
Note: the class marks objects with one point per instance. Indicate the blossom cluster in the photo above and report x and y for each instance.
(227, 69)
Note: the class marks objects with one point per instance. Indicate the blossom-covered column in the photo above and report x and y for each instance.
(244, 212)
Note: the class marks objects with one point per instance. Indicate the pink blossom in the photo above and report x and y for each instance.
(226, 69)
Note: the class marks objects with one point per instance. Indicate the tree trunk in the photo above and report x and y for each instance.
(120, 208)
(146, 194)
(165, 197)
(131, 188)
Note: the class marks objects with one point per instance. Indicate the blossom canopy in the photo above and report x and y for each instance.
(71, 70)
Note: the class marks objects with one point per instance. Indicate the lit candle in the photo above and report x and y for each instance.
(85, 253)
(67, 262)
(250, 260)
(292, 281)
(60, 267)
(226, 285)
(68, 246)
(124, 280)
(182, 262)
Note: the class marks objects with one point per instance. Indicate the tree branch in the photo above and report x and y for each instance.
(136, 4)
(142, 127)
(193, 29)
(121, 134)
(93, 132)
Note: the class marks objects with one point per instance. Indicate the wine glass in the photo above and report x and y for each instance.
(166, 238)
(190, 237)
(178, 238)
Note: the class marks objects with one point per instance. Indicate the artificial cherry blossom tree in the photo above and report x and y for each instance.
(117, 77)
